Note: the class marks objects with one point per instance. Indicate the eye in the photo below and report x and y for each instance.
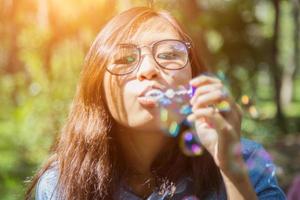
(168, 55)
(125, 60)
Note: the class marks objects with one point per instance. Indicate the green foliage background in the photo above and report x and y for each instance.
(42, 48)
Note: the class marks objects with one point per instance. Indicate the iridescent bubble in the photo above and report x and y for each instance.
(174, 107)
(170, 93)
(188, 137)
(182, 90)
(189, 144)
(223, 106)
(174, 129)
(169, 122)
(192, 197)
(165, 102)
(164, 114)
(178, 99)
(186, 110)
(192, 91)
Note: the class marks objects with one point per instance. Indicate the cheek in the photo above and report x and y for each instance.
(188, 71)
(113, 96)
(183, 76)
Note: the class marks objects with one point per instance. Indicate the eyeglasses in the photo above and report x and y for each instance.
(169, 54)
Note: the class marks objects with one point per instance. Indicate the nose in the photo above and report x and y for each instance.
(148, 68)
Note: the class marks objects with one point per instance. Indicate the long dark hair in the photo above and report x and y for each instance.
(85, 153)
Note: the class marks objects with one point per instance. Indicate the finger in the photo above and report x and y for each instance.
(206, 134)
(208, 99)
(201, 113)
(202, 124)
(234, 117)
(211, 117)
(205, 89)
(224, 129)
(238, 109)
(203, 79)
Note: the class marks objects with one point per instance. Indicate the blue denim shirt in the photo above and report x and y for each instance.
(261, 171)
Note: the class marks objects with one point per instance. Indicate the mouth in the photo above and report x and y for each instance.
(150, 96)
(154, 94)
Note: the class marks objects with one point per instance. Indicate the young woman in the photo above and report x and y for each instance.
(112, 145)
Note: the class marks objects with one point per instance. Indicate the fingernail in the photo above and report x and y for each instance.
(192, 82)
(191, 118)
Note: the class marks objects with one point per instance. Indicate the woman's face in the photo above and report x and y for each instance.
(124, 94)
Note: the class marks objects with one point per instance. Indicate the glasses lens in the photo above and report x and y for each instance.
(171, 54)
(123, 59)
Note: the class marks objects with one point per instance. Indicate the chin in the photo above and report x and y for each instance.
(145, 123)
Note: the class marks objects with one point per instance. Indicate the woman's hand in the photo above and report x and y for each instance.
(219, 132)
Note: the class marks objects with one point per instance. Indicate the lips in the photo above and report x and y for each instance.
(150, 95)
(154, 94)
(147, 102)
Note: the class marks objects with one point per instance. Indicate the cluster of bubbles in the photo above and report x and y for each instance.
(174, 107)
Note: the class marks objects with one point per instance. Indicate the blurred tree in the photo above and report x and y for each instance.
(275, 69)
(42, 47)
(296, 19)
(290, 70)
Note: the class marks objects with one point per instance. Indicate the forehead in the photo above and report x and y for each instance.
(152, 30)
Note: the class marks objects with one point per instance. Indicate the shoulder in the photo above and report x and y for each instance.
(255, 156)
(47, 185)
(261, 170)
(257, 159)
(249, 147)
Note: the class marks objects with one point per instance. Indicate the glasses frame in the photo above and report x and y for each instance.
(188, 46)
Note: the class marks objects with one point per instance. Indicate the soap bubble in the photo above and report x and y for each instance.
(174, 129)
(190, 144)
(186, 109)
(170, 121)
(174, 108)
(223, 106)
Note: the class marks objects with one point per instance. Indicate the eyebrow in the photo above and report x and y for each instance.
(127, 44)
(131, 43)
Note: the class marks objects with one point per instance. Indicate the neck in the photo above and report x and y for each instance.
(140, 148)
